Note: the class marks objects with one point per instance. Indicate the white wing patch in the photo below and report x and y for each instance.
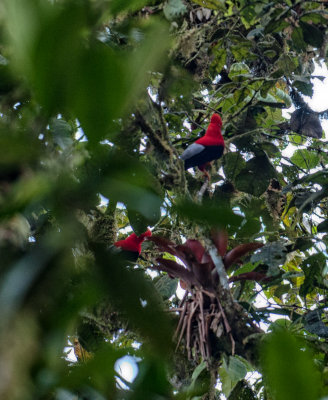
(192, 150)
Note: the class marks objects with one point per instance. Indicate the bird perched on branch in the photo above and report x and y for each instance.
(131, 246)
(207, 148)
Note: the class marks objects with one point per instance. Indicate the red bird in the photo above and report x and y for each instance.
(207, 148)
(131, 246)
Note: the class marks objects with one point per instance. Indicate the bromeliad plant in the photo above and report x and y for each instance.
(210, 322)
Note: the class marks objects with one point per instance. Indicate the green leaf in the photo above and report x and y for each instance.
(282, 95)
(287, 63)
(117, 6)
(306, 159)
(209, 214)
(305, 88)
(256, 176)
(239, 71)
(298, 39)
(70, 73)
(248, 267)
(231, 372)
(211, 4)
(241, 50)
(313, 268)
(233, 163)
(276, 25)
(282, 289)
(62, 133)
(236, 368)
(199, 381)
(139, 222)
(271, 149)
(149, 319)
(272, 254)
(323, 226)
(297, 139)
(312, 35)
(220, 56)
(288, 369)
(174, 9)
(314, 324)
(166, 286)
(122, 178)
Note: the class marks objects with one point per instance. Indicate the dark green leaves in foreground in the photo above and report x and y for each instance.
(210, 214)
(122, 178)
(289, 369)
(71, 70)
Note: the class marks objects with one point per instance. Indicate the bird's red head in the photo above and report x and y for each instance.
(133, 242)
(213, 136)
(216, 119)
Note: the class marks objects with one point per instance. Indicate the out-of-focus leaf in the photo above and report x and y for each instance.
(166, 286)
(304, 87)
(233, 163)
(302, 381)
(174, 9)
(100, 369)
(209, 214)
(272, 254)
(242, 391)
(151, 381)
(117, 6)
(62, 133)
(122, 178)
(142, 306)
(19, 280)
(211, 4)
(302, 244)
(93, 80)
(90, 336)
(139, 222)
(276, 23)
(7, 79)
(256, 176)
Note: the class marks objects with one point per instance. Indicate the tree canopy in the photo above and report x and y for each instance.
(98, 98)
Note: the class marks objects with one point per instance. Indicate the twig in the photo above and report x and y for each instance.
(202, 190)
(206, 106)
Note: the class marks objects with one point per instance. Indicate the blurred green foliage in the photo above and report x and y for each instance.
(97, 100)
